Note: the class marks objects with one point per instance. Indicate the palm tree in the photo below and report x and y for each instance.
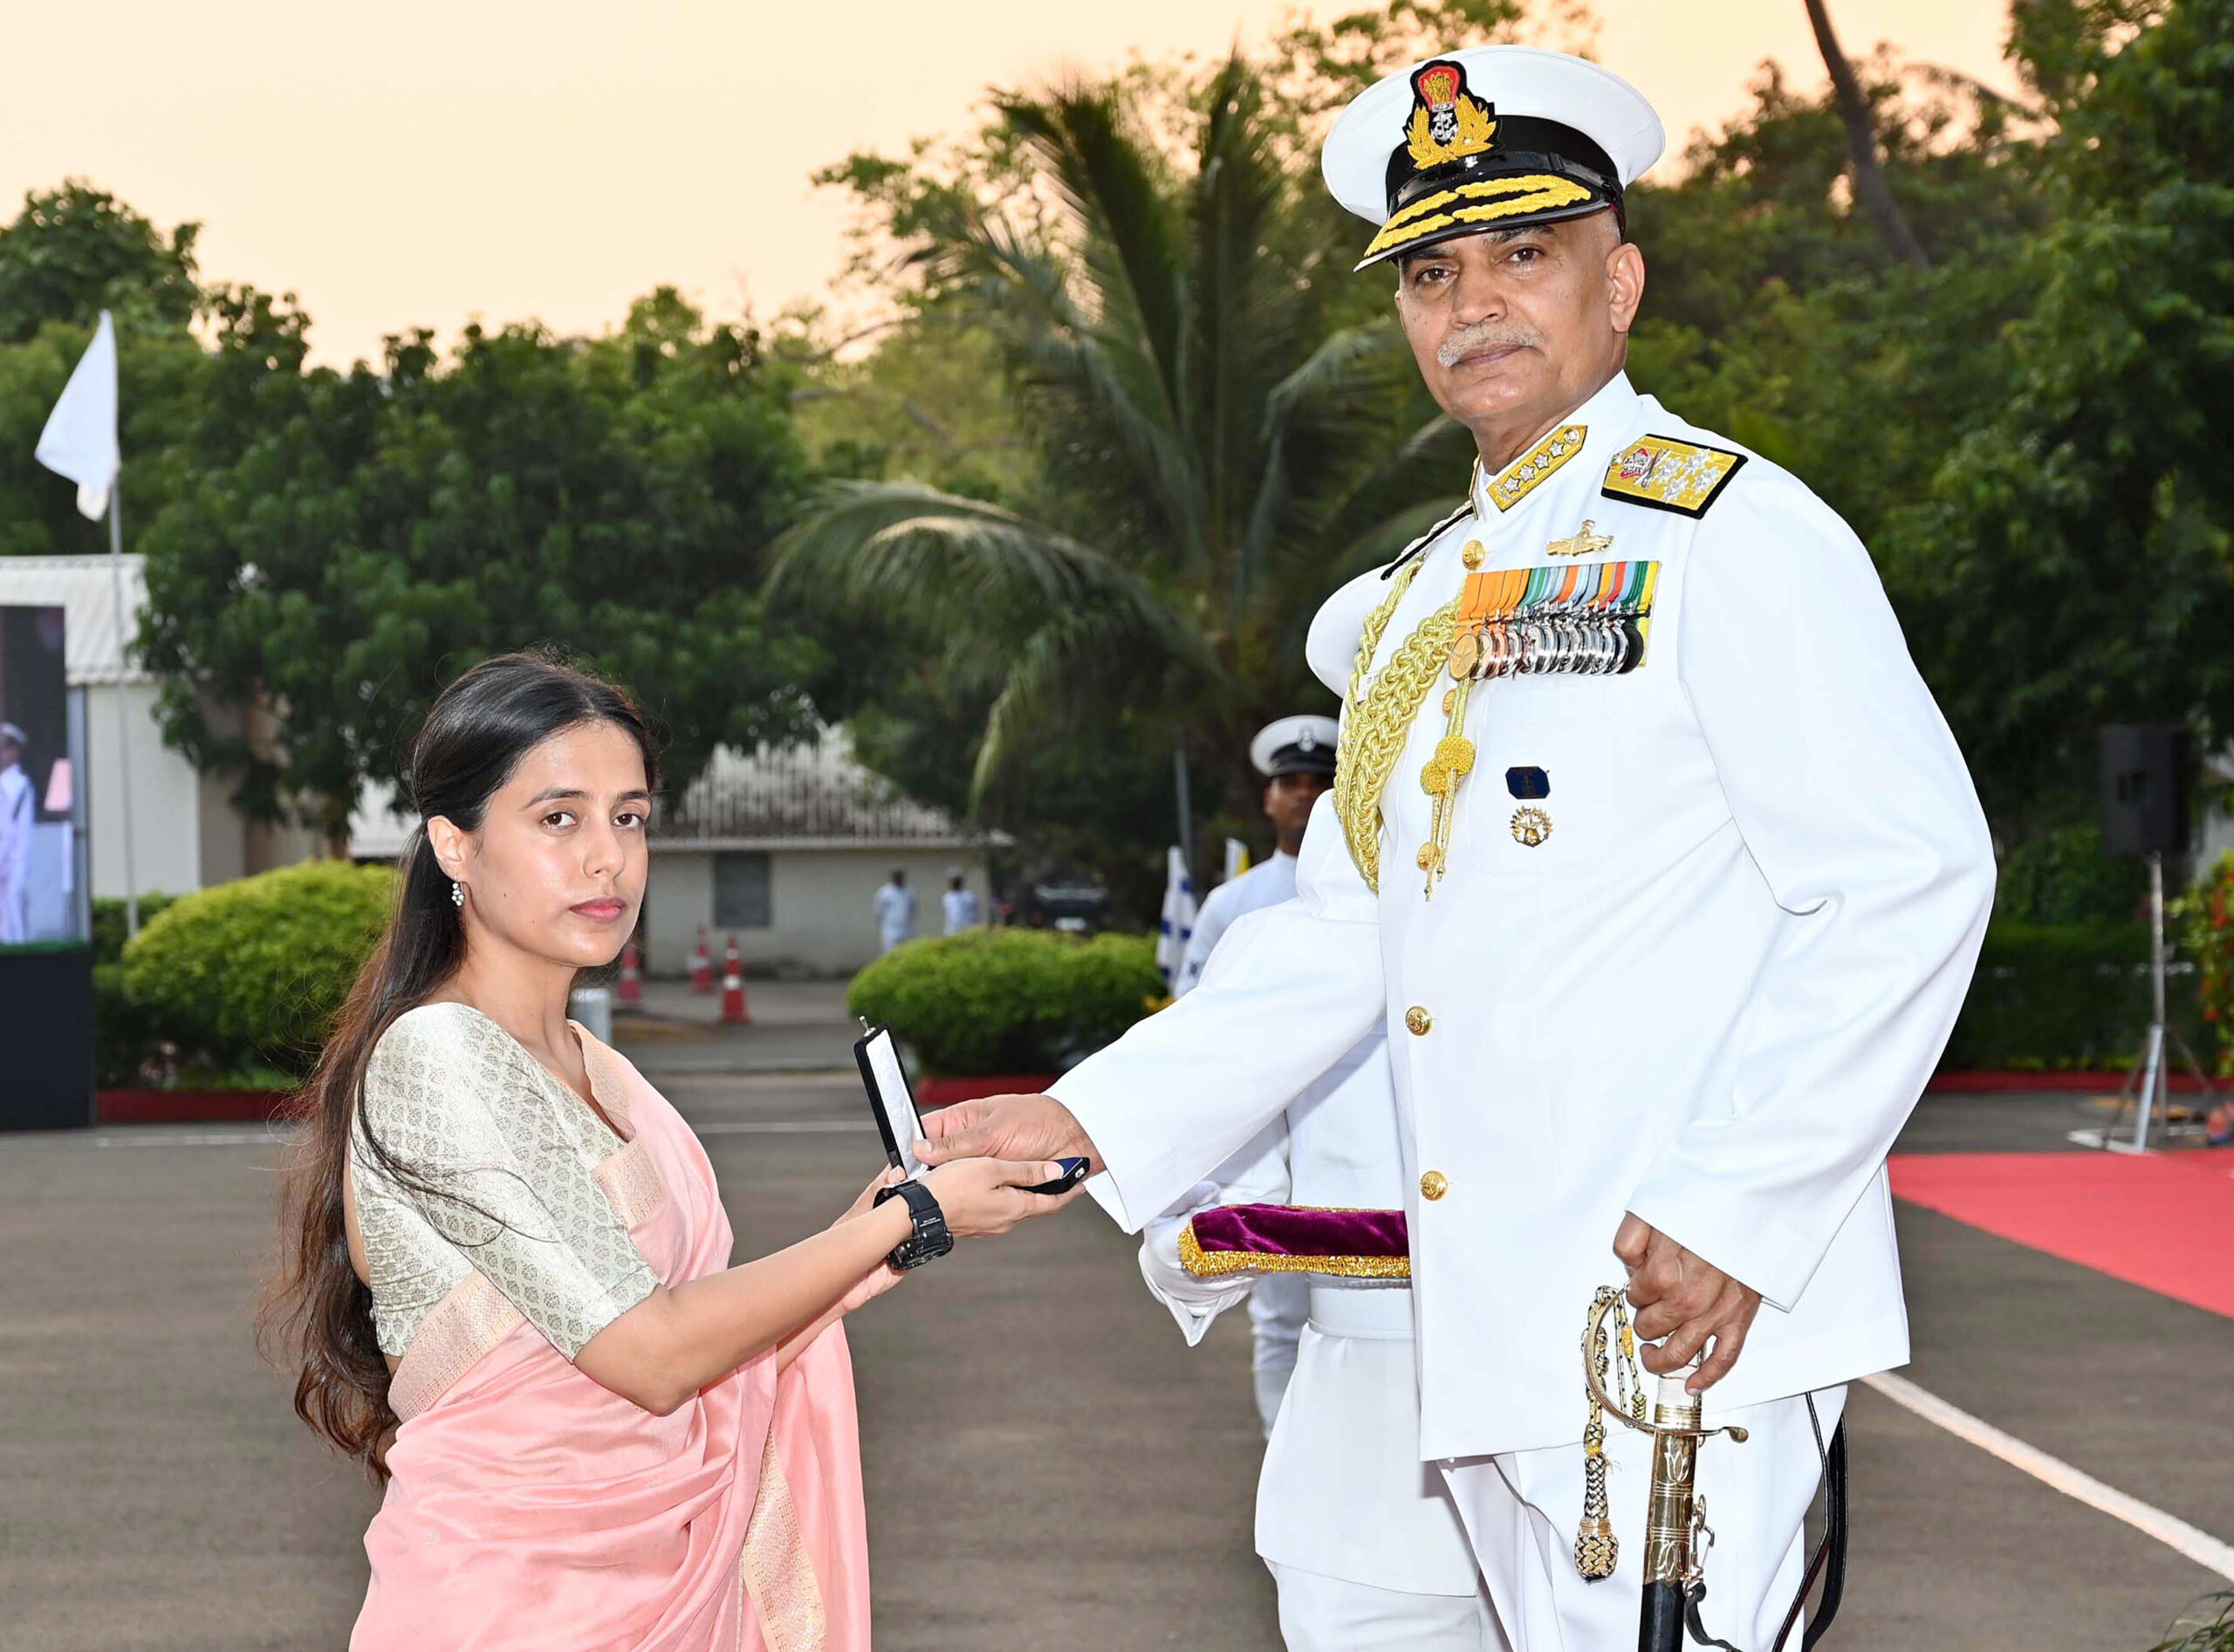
(1216, 450)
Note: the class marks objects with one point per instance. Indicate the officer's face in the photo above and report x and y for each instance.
(10, 753)
(1514, 328)
(1288, 799)
(557, 870)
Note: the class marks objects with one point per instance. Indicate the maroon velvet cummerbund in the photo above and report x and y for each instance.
(1294, 1238)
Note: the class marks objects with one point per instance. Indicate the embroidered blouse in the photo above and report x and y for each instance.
(510, 1155)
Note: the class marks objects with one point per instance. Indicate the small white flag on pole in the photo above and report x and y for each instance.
(80, 441)
(1178, 925)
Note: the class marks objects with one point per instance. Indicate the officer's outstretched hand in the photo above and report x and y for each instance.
(1004, 1127)
(1683, 1302)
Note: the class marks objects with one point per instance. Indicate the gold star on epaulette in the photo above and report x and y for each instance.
(1523, 476)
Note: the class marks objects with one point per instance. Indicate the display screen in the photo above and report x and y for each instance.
(42, 788)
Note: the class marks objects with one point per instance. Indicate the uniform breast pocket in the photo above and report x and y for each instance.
(1546, 796)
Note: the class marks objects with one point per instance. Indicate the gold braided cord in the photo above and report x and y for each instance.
(1377, 722)
(1535, 193)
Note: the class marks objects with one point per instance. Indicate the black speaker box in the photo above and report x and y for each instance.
(46, 1039)
(2145, 780)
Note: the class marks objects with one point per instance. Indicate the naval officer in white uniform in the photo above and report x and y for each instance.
(1362, 1539)
(1648, 846)
(1296, 757)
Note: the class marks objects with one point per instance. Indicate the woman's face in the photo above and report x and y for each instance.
(557, 867)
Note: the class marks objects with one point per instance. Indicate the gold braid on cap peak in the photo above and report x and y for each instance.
(1377, 722)
(1500, 198)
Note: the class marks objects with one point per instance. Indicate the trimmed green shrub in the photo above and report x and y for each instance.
(2057, 995)
(255, 970)
(1008, 1000)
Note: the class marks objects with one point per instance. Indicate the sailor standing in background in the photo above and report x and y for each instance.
(1296, 757)
(894, 910)
(1362, 1537)
(18, 809)
(959, 903)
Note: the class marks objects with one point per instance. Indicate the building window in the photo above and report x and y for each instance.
(741, 900)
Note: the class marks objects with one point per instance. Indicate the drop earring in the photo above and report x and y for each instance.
(457, 893)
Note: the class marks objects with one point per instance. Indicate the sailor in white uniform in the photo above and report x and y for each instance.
(1648, 848)
(1296, 757)
(1362, 1539)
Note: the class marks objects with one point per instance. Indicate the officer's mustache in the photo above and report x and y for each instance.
(1484, 335)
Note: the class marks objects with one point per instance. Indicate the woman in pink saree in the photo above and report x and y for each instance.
(508, 1270)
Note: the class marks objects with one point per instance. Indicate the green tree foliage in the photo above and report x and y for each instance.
(1219, 435)
(383, 529)
(69, 254)
(75, 251)
(327, 548)
(2071, 563)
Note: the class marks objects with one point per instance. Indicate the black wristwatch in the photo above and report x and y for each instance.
(930, 1237)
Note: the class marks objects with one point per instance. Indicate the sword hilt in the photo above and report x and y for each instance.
(1693, 1429)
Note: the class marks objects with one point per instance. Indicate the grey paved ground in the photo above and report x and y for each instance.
(1047, 1465)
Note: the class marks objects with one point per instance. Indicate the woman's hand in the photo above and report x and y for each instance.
(866, 1203)
(872, 1285)
(982, 1197)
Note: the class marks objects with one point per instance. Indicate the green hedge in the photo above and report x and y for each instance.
(127, 1038)
(990, 1001)
(2057, 995)
(253, 971)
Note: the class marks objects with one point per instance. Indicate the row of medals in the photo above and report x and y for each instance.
(1543, 643)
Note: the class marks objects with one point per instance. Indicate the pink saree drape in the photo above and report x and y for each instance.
(531, 1508)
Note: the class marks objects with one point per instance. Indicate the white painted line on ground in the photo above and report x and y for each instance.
(2170, 1530)
(133, 1138)
(781, 1126)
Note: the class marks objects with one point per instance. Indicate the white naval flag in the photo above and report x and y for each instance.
(80, 441)
(1178, 925)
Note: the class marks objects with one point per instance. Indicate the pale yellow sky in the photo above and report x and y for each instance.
(428, 163)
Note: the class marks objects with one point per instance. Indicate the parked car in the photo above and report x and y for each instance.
(1077, 905)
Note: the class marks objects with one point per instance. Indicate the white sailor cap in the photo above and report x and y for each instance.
(10, 734)
(1492, 137)
(1295, 745)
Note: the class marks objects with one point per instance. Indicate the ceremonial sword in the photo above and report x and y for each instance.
(1676, 1535)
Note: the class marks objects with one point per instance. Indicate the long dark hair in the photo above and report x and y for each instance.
(318, 1311)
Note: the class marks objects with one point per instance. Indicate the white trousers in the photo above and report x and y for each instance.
(1320, 1613)
(1521, 1509)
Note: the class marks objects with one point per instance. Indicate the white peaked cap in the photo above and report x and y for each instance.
(1539, 102)
(1279, 743)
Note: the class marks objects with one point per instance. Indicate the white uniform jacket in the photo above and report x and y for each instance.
(1265, 884)
(1343, 1492)
(1711, 995)
(1280, 1303)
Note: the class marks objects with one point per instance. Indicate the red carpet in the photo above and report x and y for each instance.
(2165, 1222)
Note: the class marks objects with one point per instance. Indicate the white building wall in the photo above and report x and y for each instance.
(169, 820)
(679, 898)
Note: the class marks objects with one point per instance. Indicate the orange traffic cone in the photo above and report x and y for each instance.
(632, 974)
(733, 1010)
(702, 966)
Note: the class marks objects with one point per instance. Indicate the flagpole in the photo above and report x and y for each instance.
(123, 714)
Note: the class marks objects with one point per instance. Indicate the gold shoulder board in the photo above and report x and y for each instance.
(1668, 475)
